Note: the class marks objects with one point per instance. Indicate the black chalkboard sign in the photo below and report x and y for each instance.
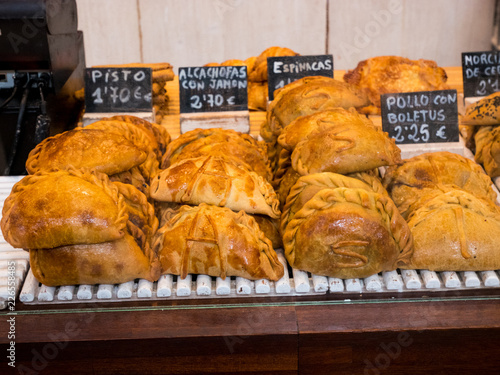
(213, 89)
(283, 70)
(421, 117)
(481, 72)
(118, 90)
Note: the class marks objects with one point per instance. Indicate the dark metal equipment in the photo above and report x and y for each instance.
(42, 65)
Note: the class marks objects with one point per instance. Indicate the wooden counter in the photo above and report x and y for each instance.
(400, 337)
(427, 334)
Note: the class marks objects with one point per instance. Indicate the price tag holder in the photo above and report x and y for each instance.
(481, 71)
(214, 97)
(424, 121)
(112, 91)
(283, 70)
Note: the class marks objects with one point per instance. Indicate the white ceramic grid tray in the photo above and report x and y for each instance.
(298, 283)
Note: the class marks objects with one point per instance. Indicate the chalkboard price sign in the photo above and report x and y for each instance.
(421, 117)
(481, 71)
(283, 70)
(118, 90)
(213, 89)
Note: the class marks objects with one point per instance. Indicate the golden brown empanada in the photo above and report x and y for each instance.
(213, 180)
(307, 96)
(487, 141)
(392, 74)
(285, 184)
(103, 151)
(139, 136)
(485, 111)
(111, 262)
(300, 128)
(407, 182)
(455, 231)
(257, 96)
(347, 233)
(307, 186)
(216, 241)
(259, 71)
(80, 228)
(133, 177)
(344, 147)
(238, 147)
(51, 209)
(270, 228)
(158, 136)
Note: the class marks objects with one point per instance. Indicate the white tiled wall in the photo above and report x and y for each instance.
(195, 32)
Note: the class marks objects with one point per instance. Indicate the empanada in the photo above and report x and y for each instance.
(407, 182)
(270, 228)
(113, 262)
(52, 209)
(344, 147)
(103, 151)
(139, 136)
(455, 231)
(393, 74)
(300, 128)
(259, 71)
(308, 95)
(485, 111)
(307, 186)
(238, 147)
(157, 135)
(215, 241)
(257, 96)
(213, 180)
(347, 233)
(80, 228)
(487, 141)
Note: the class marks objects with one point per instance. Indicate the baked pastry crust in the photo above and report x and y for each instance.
(111, 262)
(408, 182)
(237, 147)
(487, 141)
(485, 111)
(51, 209)
(270, 228)
(393, 74)
(216, 181)
(308, 95)
(257, 96)
(158, 136)
(467, 240)
(259, 71)
(307, 186)
(300, 128)
(139, 135)
(85, 148)
(343, 147)
(347, 233)
(215, 241)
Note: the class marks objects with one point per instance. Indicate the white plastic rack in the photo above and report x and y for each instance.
(294, 283)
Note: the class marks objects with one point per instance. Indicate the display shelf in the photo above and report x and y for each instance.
(436, 322)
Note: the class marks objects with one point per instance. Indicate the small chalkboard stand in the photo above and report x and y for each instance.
(214, 97)
(283, 70)
(481, 76)
(116, 92)
(421, 122)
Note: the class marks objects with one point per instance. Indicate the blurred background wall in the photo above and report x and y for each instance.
(195, 32)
